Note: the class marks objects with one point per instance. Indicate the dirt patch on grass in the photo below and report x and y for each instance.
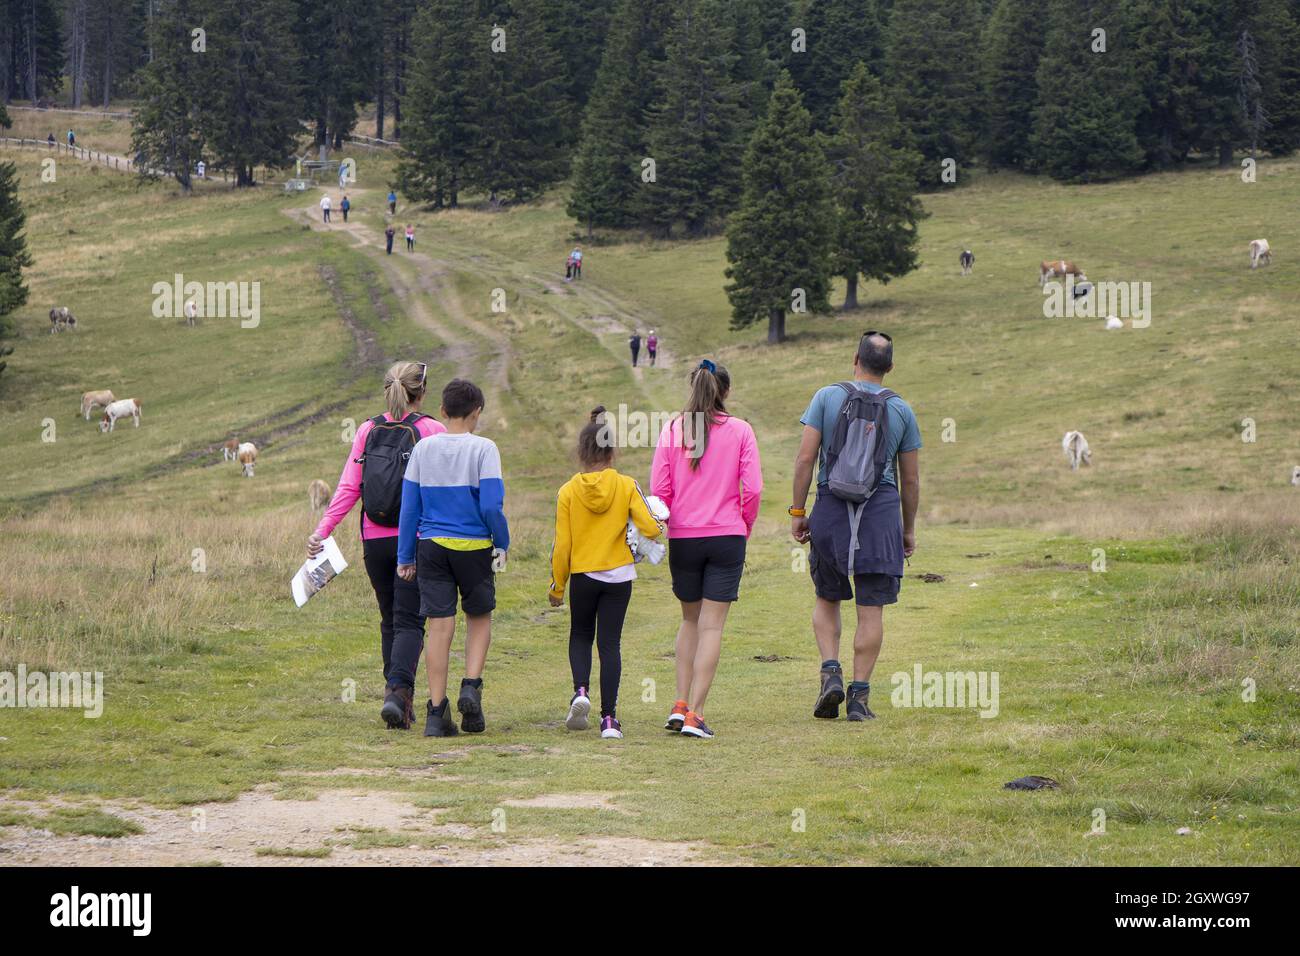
(338, 828)
(570, 801)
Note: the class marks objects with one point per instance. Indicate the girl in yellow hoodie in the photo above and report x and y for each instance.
(591, 553)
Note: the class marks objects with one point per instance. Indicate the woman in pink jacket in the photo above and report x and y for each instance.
(394, 434)
(707, 471)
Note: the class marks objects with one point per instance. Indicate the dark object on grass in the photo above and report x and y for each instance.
(1032, 782)
(771, 658)
(980, 554)
(930, 577)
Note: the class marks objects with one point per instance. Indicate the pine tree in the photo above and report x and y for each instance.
(167, 129)
(779, 240)
(1013, 42)
(1162, 36)
(1084, 127)
(607, 165)
(517, 109)
(252, 116)
(762, 31)
(438, 130)
(339, 45)
(695, 128)
(874, 168)
(840, 34)
(932, 76)
(1277, 36)
(14, 256)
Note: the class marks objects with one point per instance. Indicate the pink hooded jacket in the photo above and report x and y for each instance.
(722, 496)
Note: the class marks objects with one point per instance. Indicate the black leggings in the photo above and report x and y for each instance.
(597, 610)
(401, 627)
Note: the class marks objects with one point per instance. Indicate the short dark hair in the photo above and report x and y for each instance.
(876, 353)
(460, 397)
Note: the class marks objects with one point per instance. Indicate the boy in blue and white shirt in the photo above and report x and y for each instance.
(452, 520)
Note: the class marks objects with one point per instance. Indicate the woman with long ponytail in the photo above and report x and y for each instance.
(375, 457)
(708, 473)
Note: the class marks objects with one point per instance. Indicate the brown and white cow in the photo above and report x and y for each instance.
(1260, 253)
(230, 449)
(90, 399)
(1052, 268)
(124, 408)
(247, 453)
(318, 493)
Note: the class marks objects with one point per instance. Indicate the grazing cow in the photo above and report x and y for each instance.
(1113, 322)
(1260, 253)
(1051, 268)
(247, 454)
(318, 493)
(967, 261)
(120, 409)
(230, 449)
(191, 311)
(1295, 475)
(61, 318)
(90, 399)
(1077, 451)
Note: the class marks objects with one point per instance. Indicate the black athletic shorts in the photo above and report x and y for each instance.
(707, 568)
(868, 590)
(442, 572)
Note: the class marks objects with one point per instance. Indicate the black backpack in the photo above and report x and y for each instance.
(383, 465)
(856, 455)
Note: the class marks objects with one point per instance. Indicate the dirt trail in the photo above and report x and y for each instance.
(339, 828)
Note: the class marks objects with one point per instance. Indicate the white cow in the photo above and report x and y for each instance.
(191, 312)
(90, 399)
(1076, 450)
(247, 455)
(120, 409)
(1260, 254)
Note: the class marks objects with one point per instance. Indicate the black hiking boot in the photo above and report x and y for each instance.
(398, 711)
(858, 709)
(832, 693)
(470, 706)
(438, 723)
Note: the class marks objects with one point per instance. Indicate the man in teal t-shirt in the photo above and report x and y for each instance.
(886, 532)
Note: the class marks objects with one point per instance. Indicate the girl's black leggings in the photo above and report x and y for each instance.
(597, 610)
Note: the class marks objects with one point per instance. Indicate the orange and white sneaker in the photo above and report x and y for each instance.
(678, 716)
(694, 726)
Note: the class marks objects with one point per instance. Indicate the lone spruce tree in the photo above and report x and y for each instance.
(779, 240)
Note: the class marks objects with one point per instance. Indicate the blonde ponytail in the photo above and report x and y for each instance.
(403, 388)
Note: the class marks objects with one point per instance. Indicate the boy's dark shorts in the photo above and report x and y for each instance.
(868, 590)
(707, 568)
(442, 572)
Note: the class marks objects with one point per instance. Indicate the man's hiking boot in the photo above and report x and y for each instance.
(470, 706)
(858, 709)
(831, 695)
(438, 723)
(398, 710)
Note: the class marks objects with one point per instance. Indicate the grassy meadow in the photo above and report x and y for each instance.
(140, 554)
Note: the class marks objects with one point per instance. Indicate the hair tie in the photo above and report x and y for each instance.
(709, 366)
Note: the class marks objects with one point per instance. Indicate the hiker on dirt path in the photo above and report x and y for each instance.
(635, 344)
(389, 232)
(345, 205)
(392, 202)
(72, 138)
(453, 521)
(591, 553)
(855, 538)
(573, 265)
(707, 472)
(410, 238)
(325, 207)
(379, 441)
(652, 346)
(50, 140)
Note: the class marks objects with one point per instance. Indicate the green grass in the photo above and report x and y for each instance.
(73, 821)
(1125, 685)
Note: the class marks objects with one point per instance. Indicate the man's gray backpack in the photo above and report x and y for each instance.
(857, 454)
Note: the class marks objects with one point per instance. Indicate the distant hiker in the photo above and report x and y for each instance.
(410, 238)
(863, 439)
(652, 346)
(392, 202)
(325, 207)
(635, 344)
(345, 205)
(452, 514)
(372, 472)
(50, 140)
(72, 138)
(389, 232)
(573, 265)
(201, 169)
(707, 472)
(591, 553)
